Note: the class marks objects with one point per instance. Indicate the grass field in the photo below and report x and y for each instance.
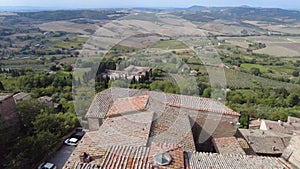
(274, 70)
(280, 49)
(72, 43)
(170, 44)
(263, 69)
(239, 42)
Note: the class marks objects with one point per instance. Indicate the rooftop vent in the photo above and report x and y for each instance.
(274, 148)
(162, 159)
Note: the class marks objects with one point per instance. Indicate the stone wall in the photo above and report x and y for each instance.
(94, 123)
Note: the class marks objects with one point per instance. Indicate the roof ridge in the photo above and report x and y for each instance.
(235, 155)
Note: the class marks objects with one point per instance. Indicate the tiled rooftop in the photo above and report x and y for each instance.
(127, 130)
(280, 127)
(126, 157)
(292, 152)
(228, 145)
(128, 104)
(100, 105)
(87, 145)
(173, 127)
(21, 96)
(106, 99)
(192, 102)
(130, 129)
(293, 119)
(254, 123)
(4, 96)
(265, 142)
(262, 133)
(174, 150)
(266, 145)
(220, 161)
(130, 157)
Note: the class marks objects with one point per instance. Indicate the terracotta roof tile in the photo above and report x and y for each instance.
(21, 96)
(293, 119)
(292, 152)
(157, 102)
(100, 105)
(265, 142)
(126, 105)
(220, 161)
(174, 150)
(127, 130)
(254, 123)
(173, 127)
(280, 127)
(126, 157)
(192, 102)
(228, 145)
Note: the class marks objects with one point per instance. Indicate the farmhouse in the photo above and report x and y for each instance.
(129, 72)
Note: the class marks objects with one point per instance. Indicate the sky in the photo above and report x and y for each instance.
(287, 4)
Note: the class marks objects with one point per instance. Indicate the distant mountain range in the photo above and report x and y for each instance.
(35, 9)
(25, 8)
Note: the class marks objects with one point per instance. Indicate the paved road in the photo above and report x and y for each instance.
(61, 156)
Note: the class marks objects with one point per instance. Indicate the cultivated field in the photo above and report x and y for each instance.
(68, 26)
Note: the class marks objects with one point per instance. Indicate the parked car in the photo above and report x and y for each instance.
(78, 135)
(71, 141)
(74, 139)
(47, 165)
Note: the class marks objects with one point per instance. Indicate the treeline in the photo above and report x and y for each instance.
(72, 14)
(14, 72)
(41, 129)
(41, 125)
(240, 13)
(265, 103)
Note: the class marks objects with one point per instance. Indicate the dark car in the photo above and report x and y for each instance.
(78, 135)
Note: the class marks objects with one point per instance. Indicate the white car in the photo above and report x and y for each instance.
(71, 141)
(47, 165)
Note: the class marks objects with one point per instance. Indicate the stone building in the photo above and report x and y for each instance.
(8, 109)
(138, 129)
(192, 120)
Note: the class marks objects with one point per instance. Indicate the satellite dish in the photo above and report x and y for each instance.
(162, 159)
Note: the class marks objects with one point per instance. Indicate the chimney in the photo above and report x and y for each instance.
(85, 158)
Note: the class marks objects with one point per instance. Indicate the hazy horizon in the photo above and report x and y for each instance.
(288, 4)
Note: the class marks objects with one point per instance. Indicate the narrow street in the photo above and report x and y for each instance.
(61, 156)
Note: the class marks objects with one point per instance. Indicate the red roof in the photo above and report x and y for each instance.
(126, 105)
